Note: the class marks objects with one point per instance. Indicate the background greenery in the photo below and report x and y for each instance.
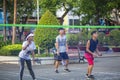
(45, 37)
(112, 39)
(10, 50)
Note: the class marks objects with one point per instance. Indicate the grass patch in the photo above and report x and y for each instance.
(44, 55)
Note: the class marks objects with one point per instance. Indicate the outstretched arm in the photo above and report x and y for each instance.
(98, 53)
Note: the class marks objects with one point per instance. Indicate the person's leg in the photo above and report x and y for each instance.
(57, 63)
(21, 68)
(66, 59)
(29, 65)
(66, 64)
(90, 68)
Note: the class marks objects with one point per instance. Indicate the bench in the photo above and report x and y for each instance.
(81, 51)
(75, 53)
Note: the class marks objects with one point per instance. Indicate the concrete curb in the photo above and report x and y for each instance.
(47, 60)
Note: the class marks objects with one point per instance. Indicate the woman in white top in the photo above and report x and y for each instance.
(28, 48)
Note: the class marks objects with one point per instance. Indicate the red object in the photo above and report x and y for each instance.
(89, 58)
(116, 49)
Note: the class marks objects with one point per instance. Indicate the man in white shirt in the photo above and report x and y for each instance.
(62, 49)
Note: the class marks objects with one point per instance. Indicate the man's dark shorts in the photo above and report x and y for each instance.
(62, 56)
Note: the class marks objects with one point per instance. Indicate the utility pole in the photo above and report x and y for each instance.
(38, 21)
(38, 11)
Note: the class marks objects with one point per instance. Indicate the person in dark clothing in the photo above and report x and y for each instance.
(91, 52)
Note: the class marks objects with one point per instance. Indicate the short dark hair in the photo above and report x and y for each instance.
(61, 29)
(93, 32)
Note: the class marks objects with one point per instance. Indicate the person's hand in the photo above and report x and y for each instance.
(33, 61)
(28, 43)
(95, 55)
(66, 50)
(99, 54)
(57, 52)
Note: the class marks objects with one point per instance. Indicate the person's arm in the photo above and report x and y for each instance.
(98, 53)
(33, 57)
(33, 52)
(57, 47)
(66, 47)
(87, 48)
(24, 46)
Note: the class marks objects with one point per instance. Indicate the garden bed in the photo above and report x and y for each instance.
(116, 49)
(101, 48)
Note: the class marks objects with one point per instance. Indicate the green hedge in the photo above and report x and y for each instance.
(10, 50)
(43, 55)
(2, 43)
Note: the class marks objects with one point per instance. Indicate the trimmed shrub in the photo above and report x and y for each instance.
(73, 39)
(45, 37)
(10, 50)
(8, 42)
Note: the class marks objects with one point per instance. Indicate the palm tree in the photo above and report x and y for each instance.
(14, 22)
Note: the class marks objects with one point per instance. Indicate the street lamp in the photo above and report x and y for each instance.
(38, 21)
(37, 11)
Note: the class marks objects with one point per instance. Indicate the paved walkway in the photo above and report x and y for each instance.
(107, 68)
(14, 59)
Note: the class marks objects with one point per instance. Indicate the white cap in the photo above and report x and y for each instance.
(31, 34)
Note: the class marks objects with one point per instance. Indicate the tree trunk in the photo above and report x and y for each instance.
(14, 22)
(117, 16)
(62, 18)
(47, 52)
(4, 10)
(39, 50)
(97, 19)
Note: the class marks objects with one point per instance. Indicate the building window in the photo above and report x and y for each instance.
(74, 22)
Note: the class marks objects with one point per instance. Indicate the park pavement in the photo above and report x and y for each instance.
(14, 59)
(106, 68)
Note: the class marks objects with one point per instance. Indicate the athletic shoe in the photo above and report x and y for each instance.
(90, 77)
(56, 71)
(86, 75)
(67, 70)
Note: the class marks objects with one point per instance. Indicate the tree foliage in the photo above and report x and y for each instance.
(24, 8)
(45, 37)
(92, 9)
(54, 5)
(115, 37)
(96, 9)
